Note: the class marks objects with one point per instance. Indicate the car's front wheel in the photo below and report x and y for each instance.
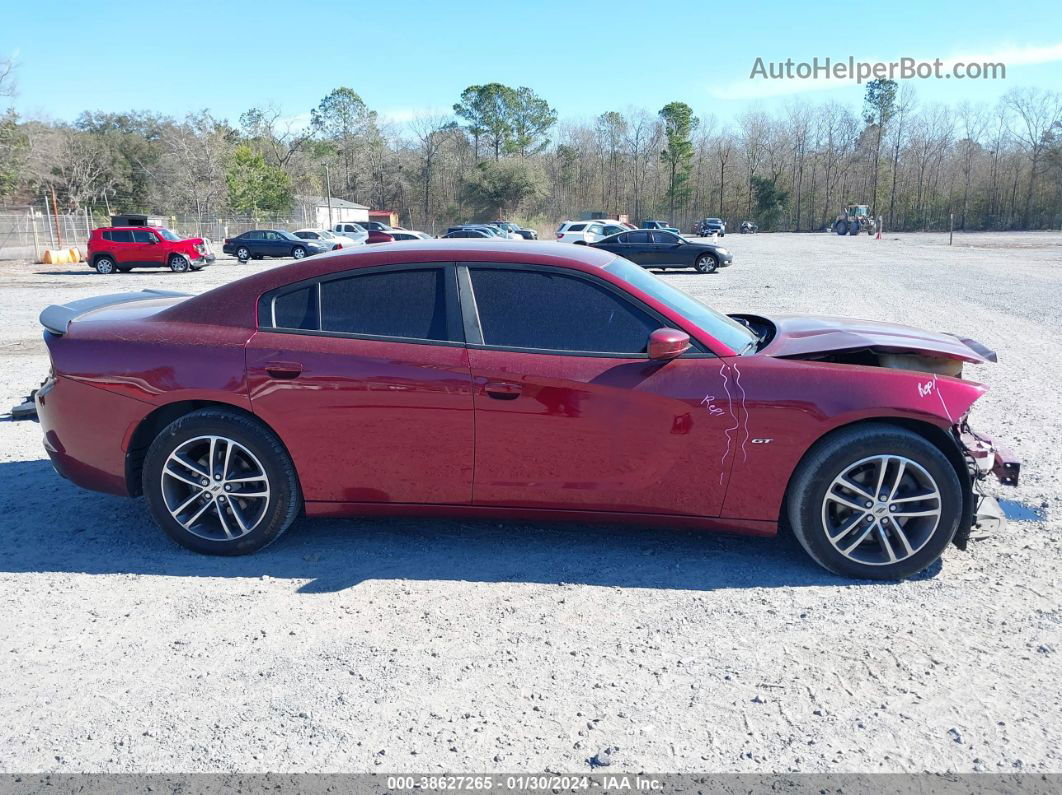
(179, 264)
(875, 501)
(221, 483)
(298, 252)
(706, 263)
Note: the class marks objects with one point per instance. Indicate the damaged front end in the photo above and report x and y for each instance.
(983, 457)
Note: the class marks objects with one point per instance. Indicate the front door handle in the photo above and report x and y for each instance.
(503, 390)
(284, 369)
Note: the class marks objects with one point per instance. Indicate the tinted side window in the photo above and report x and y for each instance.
(638, 237)
(670, 238)
(577, 227)
(622, 239)
(407, 303)
(143, 236)
(122, 236)
(297, 309)
(534, 309)
(107, 235)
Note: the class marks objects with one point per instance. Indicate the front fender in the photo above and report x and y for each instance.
(791, 404)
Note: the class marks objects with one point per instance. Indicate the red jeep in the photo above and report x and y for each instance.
(122, 248)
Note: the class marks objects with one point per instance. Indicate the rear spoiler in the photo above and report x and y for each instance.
(57, 317)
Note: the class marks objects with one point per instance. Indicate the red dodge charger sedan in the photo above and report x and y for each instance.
(522, 380)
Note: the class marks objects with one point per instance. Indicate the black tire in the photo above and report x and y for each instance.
(580, 243)
(282, 505)
(105, 265)
(298, 252)
(830, 458)
(841, 227)
(706, 263)
(179, 264)
(853, 229)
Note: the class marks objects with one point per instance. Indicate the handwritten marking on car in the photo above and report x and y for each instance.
(926, 388)
(712, 409)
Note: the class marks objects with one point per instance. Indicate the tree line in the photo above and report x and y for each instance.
(504, 152)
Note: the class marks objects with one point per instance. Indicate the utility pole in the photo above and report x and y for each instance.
(55, 217)
(328, 189)
(951, 228)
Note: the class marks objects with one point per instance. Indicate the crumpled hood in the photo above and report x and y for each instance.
(804, 335)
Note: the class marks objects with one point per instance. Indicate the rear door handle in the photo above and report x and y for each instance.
(284, 369)
(503, 390)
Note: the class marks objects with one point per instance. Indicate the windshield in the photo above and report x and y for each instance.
(725, 329)
(167, 234)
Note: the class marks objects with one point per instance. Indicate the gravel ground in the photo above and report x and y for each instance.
(386, 645)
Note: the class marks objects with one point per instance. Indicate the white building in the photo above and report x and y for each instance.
(315, 211)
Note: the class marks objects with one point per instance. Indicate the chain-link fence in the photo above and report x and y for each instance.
(27, 234)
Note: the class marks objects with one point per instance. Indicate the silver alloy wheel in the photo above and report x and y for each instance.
(706, 263)
(243, 253)
(881, 510)
(298, 253)
(215, 488)
(105, 265)
(178, 264)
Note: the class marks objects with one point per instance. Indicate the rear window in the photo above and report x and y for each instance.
(297, 309)
(408, 303)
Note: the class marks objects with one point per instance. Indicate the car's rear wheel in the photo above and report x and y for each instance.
(706, 263)
(298, 252)
(243, 253)
(220, 483)
(104, 265)
(875, 501)
(179, 264)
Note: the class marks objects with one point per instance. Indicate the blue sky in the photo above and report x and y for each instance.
(418, 56)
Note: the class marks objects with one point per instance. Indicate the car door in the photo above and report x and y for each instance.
(366, 378)
(126, 252)
(570, 412)
(148, 249)
(638, 247)
(254, 242)
(667, 248)
(274, 245)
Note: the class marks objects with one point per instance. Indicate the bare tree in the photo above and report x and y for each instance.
(1034, 113)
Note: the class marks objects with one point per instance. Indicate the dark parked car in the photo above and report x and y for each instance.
(260, 243)
(654, 248)
(711, 226)
(469, 232)
(524, 380)
(663, 225)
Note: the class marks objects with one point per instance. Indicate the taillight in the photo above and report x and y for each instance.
(560, 235)
(228, 240)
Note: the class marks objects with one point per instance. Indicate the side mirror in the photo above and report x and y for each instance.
(668, 343)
